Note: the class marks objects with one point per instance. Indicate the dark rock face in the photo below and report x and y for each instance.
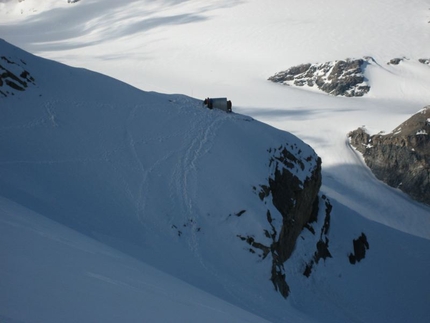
(339, 78)
(322, 246)
(395, 61)
(424, 61)
(13, 77)
(297, 202)
(360, 139)
(360, 246)
(401, 158)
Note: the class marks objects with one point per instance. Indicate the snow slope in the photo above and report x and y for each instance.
(230, 48)
(155, 176)
(51, 273)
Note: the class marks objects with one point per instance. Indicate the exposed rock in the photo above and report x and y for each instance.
(13, 77)
(251, 241)
(240, 213)
(424, 61)
(401, 158)
(189, 225)
(339, 78)
(297, 202)
(322, 251)
(360, 246)
(360, 139)
(395, 61)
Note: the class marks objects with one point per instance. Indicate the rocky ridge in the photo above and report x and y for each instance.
(338, 78)
(401, 158)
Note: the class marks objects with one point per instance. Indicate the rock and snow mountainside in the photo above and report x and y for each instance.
(154, 175)
(339, 78)
(402, 157)
(13, 77)
(364, 258)
(342, 77)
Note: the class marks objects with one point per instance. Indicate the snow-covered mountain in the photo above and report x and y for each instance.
(80, 149)
(344, 77)
(159, 177)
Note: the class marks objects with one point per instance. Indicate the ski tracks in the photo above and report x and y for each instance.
(198, 142)
(141, 197)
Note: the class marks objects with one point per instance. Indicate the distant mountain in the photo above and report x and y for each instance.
(346, 77)
(402, 157)
(339, 78)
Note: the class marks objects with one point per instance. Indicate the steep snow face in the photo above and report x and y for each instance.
(71, 271)
(159, 177)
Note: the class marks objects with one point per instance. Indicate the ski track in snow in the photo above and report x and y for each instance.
(184, 182)
(141, 192)
(184, 179)
(198, 148)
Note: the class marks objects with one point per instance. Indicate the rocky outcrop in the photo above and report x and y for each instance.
(360, 246)
(339, 78)
(397, 61)
(297, 202)
(424, 61)
(322, 245)
(13, 77)
(401, 158)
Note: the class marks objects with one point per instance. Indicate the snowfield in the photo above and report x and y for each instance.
(85, 233)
